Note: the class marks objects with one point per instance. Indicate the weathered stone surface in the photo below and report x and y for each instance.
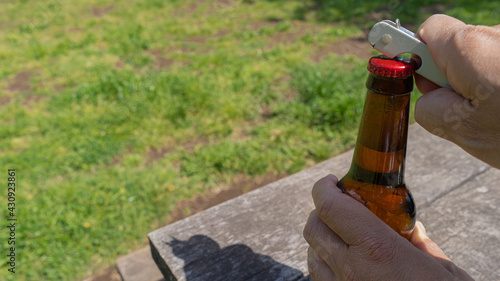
(465, 223)
(258, 236)
(139, 266)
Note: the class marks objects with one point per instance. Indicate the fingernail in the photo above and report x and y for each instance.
(421, 227)
(332, 178)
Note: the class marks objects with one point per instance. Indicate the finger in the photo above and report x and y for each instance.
(348, 218)
(461, 51)
(326, 243)
(424, 85)
(446, 114)
(420, 240)
(318, 269)
(437, 32)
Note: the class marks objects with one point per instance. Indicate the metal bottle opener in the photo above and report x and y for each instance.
(391, 39)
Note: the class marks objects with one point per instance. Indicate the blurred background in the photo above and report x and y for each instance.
(123, 116)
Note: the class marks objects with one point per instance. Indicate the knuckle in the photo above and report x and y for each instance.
(379, 250)
(324, 208)
(310, 230)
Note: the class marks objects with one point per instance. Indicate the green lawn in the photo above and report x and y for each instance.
(113, 111)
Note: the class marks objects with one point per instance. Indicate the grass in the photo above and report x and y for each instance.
(128, 107)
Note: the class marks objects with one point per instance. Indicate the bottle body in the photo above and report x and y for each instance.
(376, 176)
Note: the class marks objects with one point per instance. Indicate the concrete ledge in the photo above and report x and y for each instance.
(258, 236)
(139, 266)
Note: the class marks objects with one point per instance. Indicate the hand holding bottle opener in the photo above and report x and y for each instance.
(391, 39)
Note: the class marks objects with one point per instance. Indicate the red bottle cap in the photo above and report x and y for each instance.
(397, 67)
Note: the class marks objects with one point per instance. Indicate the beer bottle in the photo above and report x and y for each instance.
(376, 176)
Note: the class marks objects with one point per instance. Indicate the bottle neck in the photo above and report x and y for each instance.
(379, 155)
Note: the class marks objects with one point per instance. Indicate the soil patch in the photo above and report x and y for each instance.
(160, 61)
(4, 100)
(186, 10)
(154, 154)
(31, 99)
(109, 274)
(356, 46)
(59, 88)
(222, 33)
(197, 39)
(219, 6)
(102, 11)
(20, 82)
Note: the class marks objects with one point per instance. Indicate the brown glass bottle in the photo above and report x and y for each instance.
(376, 176)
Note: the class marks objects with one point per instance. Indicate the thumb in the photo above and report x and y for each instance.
(443, 112)
(420, 240)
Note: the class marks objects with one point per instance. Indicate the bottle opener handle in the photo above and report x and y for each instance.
(391, 39)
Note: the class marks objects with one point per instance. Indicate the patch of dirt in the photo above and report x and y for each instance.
(31, 99)
(215, 7)
(154, 154)
(59, 88)
(102, 11)
(357, 46)
(160, 61)
(4, 25)
(4, 100)
(282, 85)
(197, 39)
(172, 49)
(120, 64)
(20, 82)
(284, 38)
(265, 111)
(187, 10)
(256, 25)
(202, 39)
(192, 144)
(225, 2)
(117, 159)
(220, 6)
(222, 33)
(109, 274)
(201, 202)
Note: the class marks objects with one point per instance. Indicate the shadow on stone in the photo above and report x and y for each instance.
(205, 260)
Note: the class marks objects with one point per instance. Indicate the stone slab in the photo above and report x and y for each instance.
(466, 225)
(139, 266)
(258, 236)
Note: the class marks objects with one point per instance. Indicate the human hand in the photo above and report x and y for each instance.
(468, 114)
(348, 242)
